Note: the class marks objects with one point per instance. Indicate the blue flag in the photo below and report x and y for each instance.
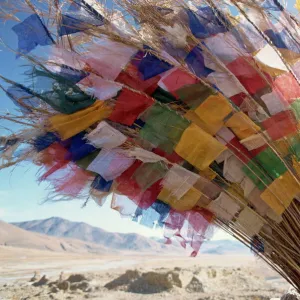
(80, 16)
(100, 184)
(197, 28)
(32, 33)
(42, 142)
(195, 62)
(21, 95)
(150, 65)
(79, 148)
(156, 214)
(283, 40)
(163, 210)
(207, 22)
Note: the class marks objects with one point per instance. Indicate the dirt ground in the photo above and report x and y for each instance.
(124, 277)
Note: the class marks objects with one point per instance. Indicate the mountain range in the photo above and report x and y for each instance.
(57, 234)
(13, 236)
(62, 228)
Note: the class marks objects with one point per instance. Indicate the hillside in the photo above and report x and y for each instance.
(62, 228)
(224, 247)
(13, 236)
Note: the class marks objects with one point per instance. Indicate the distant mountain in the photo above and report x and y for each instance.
(222, 247)
(59, 227)
(62, 228)
(13, 236)
(219, 247)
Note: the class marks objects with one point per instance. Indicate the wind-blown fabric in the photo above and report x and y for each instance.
(42, 142)
(69, 125)
(175, 79)
(32, 33)
(79, 17)
(59, 91)
(150, 65)
(195, 62)
(251, 222)
(110, 164)
(100, 184)
(107, 58)
(179, 181)
(281, 192)
(78, 147)
(23, 98)
(224, 207)
(213, 111)
(163, 127)
(145, 156)
(207, 22)
(99, 88)
(149, 173)
(205, 150)
(183, 115)
(105, 136)
(126, 112)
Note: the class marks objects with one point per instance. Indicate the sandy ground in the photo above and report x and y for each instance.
(214, 277)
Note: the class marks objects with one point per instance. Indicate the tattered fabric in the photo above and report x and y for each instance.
(198, 148)
(105, 136)
(279, 195)
(130, 105)
(69, 125)
(79, 17)
(110, 163)
(179, 181)
(163, 127)
(31, 33)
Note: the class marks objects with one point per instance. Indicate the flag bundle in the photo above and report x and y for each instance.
(185, 114)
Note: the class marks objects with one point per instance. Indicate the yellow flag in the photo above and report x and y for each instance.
(242, 125)
(213, 111)
(297, 5)
(69, 125)
(186, 202)
(280, 193)
(198, 147)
